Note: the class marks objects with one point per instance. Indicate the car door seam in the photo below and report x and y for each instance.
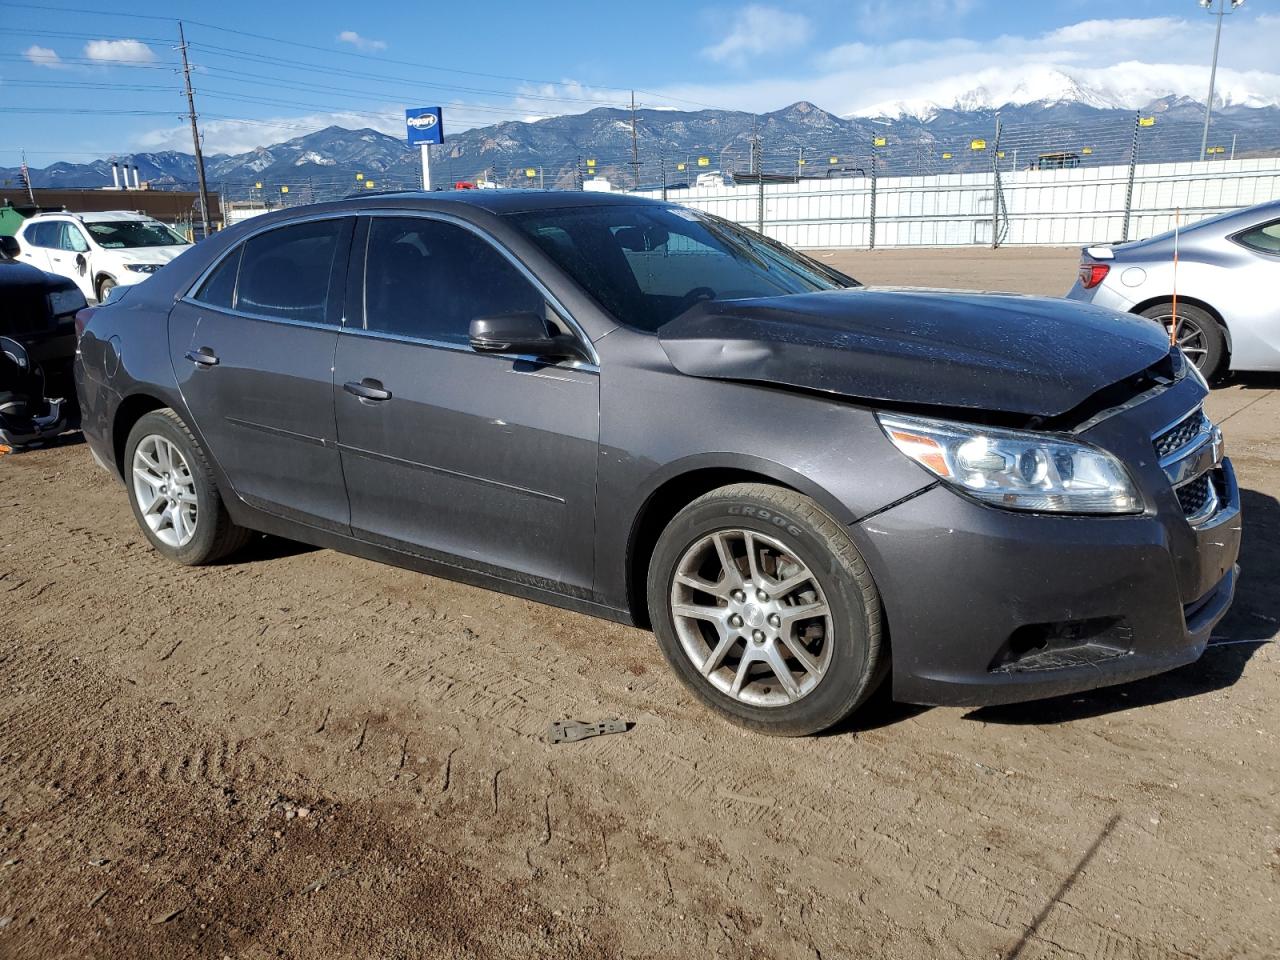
(400, 461)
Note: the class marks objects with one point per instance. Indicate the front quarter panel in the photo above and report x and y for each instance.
(658, 425)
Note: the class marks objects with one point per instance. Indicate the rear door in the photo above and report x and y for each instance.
(35, 242)
(487, 460)
(253, 348)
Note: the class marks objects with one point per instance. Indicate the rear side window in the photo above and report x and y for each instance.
(219, 288)
(1265, 238)
(429, 279)
(286, 273)
(42, 234)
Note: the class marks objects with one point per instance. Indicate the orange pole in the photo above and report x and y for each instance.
(1173, 327)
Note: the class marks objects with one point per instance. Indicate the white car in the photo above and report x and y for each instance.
(98, 250)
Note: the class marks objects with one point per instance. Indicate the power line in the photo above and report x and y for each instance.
(329, 51)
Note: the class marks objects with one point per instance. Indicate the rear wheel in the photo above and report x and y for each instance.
(172, 490)
(766, 610)
(1199, 335)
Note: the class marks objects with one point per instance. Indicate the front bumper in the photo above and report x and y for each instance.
(989, 606)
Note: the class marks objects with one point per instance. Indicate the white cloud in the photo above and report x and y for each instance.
(1098, 59)
(118, 51)
(241, 136)
(880, 16)
(43, 57)
(363, 44)
(1123, 62)
(758, 30)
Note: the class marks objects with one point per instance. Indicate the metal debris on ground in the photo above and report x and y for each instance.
(571, 731)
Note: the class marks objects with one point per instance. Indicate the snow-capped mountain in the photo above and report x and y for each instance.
(1042, 111)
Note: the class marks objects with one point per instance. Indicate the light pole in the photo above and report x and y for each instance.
(1221, 11)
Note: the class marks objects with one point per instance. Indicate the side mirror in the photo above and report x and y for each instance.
(525, 332)
(9, 247)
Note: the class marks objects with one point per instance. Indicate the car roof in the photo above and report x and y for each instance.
(97, 216)
(506, 201)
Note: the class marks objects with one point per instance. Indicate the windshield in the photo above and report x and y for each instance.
(114, 234)
(648, 264)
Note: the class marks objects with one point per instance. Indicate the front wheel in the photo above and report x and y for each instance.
(1199, 335)
(172, 490)
(766, 610)
(105, 286)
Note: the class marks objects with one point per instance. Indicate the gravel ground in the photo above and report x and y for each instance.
(300, 754)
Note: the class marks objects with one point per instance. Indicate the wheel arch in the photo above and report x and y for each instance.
(684, 483)
(1195, 302)
(130, 410)
(103, 275)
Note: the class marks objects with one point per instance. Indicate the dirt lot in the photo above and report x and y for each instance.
(305, 755)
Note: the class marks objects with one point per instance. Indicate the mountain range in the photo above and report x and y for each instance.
(920, 138)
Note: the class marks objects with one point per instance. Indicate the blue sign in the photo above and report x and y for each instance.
(424, 125)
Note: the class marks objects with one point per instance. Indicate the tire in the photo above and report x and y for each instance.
(197, 537)
(1199, 334)
(847, 657)
(105, 286)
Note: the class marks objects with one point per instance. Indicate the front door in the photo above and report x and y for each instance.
(72, 257)
(484, 460)
(253, 348)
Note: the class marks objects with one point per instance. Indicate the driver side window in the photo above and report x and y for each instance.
(72, 239)
(429, 279)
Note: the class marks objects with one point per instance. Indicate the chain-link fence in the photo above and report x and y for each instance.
(973, 182)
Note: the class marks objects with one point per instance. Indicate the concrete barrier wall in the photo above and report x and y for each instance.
(1051, 207)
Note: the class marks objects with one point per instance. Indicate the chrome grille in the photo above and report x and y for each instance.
(1194, 495)
(1180, 434)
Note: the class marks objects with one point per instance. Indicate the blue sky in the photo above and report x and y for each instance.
(75, 83)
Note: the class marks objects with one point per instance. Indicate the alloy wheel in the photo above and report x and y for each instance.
(751, 617)
(1191, 338)
(165, 490)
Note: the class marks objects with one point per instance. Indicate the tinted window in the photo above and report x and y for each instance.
(430, 279)
(1265, 238)
(219, 288)
(286, 273)
(42, 234)
(647, 264)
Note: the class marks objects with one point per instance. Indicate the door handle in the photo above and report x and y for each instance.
(367, 389)
(204, 357)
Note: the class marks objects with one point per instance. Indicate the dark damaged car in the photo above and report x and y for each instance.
(805, 487)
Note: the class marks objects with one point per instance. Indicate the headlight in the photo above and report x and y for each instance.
(66, 301)
(143, 267)
(1016, 469)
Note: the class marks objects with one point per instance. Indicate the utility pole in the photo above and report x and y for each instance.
(997, 189)
(635, 147)
(1213, 70)
(757, 167)
(195, 132)
(871, 212)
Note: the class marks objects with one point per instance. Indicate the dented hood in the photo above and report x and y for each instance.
(995, 352)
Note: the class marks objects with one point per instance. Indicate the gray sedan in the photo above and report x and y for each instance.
(1228, 314)
(637, 411)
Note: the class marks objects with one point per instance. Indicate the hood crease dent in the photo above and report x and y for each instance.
(998, 353)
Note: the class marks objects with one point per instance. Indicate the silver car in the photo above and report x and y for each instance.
(1228, 310)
